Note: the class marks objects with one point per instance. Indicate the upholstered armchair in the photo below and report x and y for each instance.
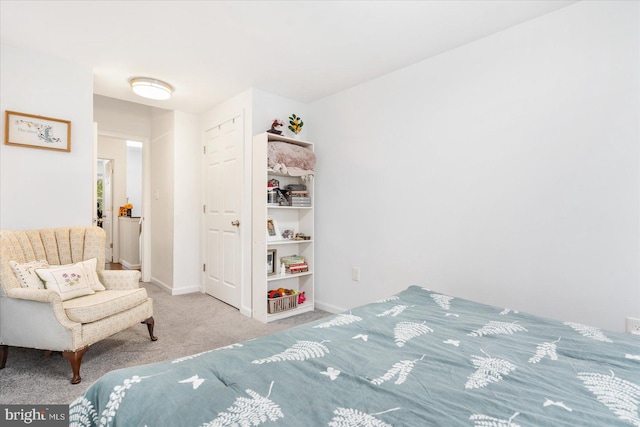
(40, 315)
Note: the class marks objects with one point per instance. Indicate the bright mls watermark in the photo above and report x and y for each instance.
(34, 415)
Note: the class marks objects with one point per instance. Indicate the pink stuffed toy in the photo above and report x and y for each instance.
(301, 298)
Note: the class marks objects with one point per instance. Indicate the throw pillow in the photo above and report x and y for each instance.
(26, 275)
(70, 281)
(92, 274)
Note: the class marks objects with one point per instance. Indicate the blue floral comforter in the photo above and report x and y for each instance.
(419, 358)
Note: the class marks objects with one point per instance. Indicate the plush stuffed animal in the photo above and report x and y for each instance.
(301, 298)
(274, 294)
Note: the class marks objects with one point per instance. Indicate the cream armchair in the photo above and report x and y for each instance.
(39, 318)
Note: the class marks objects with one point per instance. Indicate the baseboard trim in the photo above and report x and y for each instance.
(128, 266)
(328, 307)
(189, 290)
(161, 284)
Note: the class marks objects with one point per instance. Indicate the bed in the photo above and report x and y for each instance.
(418, 358)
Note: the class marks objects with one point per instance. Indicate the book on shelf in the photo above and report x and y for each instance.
(292, 259)
(297, 268)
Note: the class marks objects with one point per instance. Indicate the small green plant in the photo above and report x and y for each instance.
(295, 124)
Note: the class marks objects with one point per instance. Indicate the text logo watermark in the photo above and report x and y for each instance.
(34, 415)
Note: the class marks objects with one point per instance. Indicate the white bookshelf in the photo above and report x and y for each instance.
(300, 219)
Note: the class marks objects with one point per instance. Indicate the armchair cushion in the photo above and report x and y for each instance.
(25, 272)
(103, 304)
(70, 281)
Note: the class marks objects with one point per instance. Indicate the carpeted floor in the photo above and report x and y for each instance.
(184, 325)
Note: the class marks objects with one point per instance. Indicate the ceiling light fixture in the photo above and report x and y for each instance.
(151, 88)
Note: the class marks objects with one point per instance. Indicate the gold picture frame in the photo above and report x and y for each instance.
(29, 130)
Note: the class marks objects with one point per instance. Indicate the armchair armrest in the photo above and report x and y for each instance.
(33, 294)
(47, 296)
(120, 279)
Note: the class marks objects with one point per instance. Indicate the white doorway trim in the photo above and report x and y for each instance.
(145, 246)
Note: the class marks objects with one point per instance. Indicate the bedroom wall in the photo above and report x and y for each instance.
(505, 171)
(187, 189)
(268, 106)
(134, 179)
(162, 198)
(35, 181)
(122, 117)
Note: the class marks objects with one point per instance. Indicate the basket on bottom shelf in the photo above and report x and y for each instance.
(280, 304)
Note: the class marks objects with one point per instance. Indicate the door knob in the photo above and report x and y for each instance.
(235, 223)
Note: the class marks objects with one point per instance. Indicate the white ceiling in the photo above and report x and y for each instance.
(212, 50)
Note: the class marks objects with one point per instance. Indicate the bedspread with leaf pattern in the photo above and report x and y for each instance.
(419, 358)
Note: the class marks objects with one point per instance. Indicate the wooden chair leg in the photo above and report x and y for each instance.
(150, 323)
(75, 358)
(4, 349)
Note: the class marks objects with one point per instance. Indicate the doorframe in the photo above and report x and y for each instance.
(95, 220)
(145, 244)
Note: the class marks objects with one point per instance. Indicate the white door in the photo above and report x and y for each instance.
(223, 209)
(107, 203)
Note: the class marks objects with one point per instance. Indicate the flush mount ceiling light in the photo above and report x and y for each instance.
(151, 88)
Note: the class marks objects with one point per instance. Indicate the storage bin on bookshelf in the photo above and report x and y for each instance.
(280, 304)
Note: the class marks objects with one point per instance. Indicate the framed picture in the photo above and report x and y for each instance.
(271, 262)
(288, 234)
(273, 232)
(32, 131)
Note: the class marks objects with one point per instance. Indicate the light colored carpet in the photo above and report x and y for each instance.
(184, 325)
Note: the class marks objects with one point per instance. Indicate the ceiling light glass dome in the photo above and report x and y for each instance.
(151, 88)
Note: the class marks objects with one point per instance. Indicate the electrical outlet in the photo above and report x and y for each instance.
(355, 274)
(633, 326)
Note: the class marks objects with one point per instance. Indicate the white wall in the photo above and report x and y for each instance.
(187, 204)
(122, 117)
(134, 179)
(43, 188)
(504, 171)
(162, 198)
(267, 106)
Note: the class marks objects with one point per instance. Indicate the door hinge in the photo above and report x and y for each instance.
(204, 208)
(204, 149)
(204, 267)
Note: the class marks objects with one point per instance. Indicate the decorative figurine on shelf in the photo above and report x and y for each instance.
(275, 124)
(295, 124)
(282, 269)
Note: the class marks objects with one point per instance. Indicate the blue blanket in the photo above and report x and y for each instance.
(419, 358)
